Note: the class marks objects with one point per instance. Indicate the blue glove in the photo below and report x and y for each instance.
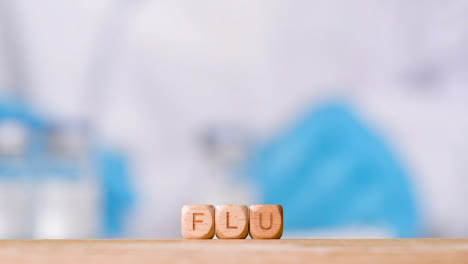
(117, 190)
(330, 170)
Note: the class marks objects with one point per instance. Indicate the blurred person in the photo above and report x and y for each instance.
(203, 94)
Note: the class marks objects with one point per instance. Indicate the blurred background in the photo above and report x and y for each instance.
(351, 114)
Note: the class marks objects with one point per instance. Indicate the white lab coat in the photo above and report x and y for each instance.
(153, 75)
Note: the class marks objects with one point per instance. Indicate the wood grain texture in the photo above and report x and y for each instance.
(232, 221)
(353, 251)
(266, 221)
(198, 221)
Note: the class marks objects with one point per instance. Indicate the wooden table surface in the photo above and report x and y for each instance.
(235, 251)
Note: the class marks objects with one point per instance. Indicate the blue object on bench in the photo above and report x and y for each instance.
(330, 170)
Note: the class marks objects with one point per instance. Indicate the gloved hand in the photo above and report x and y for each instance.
(330, 170)
(117, 189)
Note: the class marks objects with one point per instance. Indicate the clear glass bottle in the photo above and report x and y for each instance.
(15, 200)
(67, 193)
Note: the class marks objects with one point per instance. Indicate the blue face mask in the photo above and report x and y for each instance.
(329, 170)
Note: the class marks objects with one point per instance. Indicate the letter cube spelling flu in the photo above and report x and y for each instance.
(198, 221)
(266, 221)
(232, 221)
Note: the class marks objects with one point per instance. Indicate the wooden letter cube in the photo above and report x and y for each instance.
(198, 221)
(266, 221)
(232, 221)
